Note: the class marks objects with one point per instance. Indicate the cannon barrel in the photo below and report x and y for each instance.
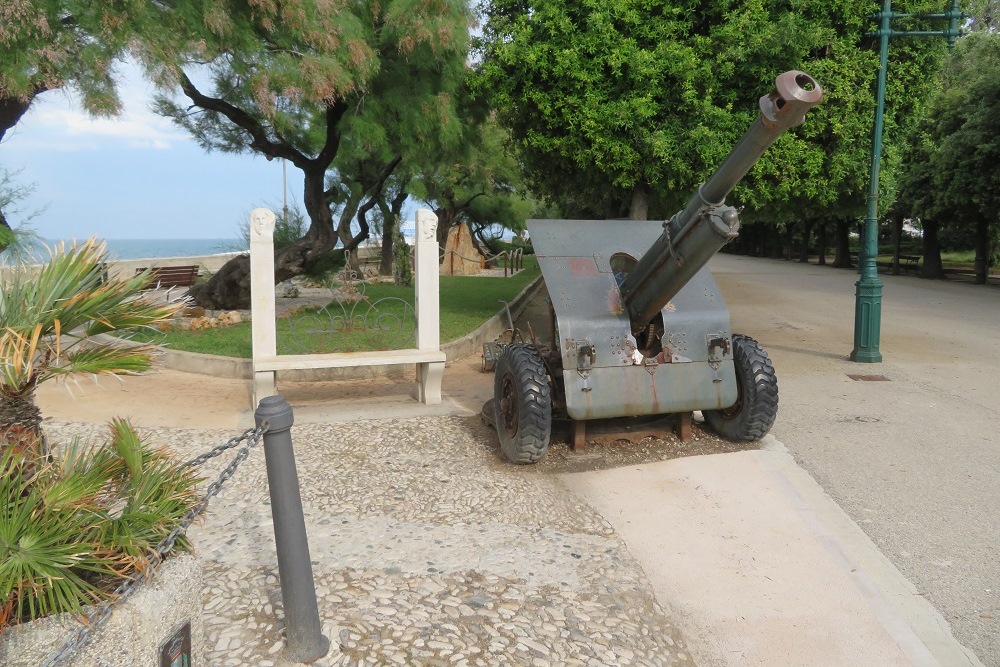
(695, 234)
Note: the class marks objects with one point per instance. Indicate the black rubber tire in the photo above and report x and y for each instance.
(757, 406)
(522, 404)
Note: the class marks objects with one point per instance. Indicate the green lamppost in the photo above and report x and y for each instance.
(868, 296)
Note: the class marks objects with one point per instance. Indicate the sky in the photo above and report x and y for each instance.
(132, 177)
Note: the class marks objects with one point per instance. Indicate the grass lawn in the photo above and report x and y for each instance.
(466, 303)
(958, 260)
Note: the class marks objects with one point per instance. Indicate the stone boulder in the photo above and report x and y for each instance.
(461, 257)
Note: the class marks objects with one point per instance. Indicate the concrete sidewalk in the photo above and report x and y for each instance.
(761, 567)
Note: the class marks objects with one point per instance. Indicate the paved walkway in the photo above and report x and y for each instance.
(915, 460)
(429, 549)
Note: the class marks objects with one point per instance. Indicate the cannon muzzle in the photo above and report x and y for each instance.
(694, 235)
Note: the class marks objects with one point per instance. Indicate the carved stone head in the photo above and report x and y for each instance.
(261, 225)
(426, 224)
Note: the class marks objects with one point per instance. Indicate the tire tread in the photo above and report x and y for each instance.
(534, 407)
(759, 390)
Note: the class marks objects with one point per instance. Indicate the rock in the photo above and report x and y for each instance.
(286, 290)
(461, 257)
(192, 311)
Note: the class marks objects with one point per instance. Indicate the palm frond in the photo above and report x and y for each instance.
(103, 360)
(48, 556)
(48, 312)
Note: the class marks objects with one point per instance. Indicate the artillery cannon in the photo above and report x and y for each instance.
(639, 325)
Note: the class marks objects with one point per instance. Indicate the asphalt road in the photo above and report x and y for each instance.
(914, 460)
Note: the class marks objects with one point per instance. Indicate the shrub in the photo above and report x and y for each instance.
(74, 525)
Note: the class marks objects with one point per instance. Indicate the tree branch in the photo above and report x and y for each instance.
(465, 205)
(259, 140)
(13, 108)
(334, 114)
(375, 191)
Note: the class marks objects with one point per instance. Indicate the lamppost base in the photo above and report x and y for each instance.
(867, 320)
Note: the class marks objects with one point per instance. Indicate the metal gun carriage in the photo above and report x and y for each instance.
(639, 325)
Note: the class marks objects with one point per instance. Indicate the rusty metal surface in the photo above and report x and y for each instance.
(575, 257)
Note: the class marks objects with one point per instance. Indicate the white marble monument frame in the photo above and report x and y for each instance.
(427, 355)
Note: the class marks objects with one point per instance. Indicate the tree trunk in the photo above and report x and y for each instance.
(821, 242)
(12, 109)
(897, 239)
(842, 258)
(753, 240)
(932, 251)
(807, 226)
(389, 222)
(982, 251)
(391, 216)
(775, 240)
(229, 288)
(789, 241)
(21, 423)
(639, 209)
(447, 218)
(344, 233)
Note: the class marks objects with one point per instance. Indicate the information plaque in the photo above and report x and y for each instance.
(176, 650)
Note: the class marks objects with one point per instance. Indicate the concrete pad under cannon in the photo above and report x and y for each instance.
(762, 568)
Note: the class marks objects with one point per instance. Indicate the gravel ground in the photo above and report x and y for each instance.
(427, 549)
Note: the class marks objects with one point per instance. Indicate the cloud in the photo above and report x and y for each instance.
(56, 122)
(70, 129)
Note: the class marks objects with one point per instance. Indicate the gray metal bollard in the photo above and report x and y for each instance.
(303, 635)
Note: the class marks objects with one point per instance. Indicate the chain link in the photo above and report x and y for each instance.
(99, 616)
(216, 451)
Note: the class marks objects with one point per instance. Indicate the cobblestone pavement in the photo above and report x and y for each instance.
(427, 549)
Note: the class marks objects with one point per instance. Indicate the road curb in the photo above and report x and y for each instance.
(915, 625)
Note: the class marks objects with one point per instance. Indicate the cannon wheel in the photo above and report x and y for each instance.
(753, 414)
(522, 404)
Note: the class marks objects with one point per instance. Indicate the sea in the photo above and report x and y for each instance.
(152, 248)
(159, 248)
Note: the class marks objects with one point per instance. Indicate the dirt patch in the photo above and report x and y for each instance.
(617, 454)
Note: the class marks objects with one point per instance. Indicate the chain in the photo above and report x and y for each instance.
(216, 451)
(99, 616)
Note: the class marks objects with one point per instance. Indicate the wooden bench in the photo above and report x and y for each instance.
(162, 277)
(906, 263)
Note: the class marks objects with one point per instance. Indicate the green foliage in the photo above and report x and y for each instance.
(17, 240)
(477, 180)
(313, 81)
(289, 226)
(67, 301)
(606, 98)
(72, 528)
(402, 268)
(985, 14)
(49, 44)
(49, 316)
(951, 173)
(466, 302)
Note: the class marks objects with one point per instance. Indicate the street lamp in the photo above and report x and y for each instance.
(868, 295)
